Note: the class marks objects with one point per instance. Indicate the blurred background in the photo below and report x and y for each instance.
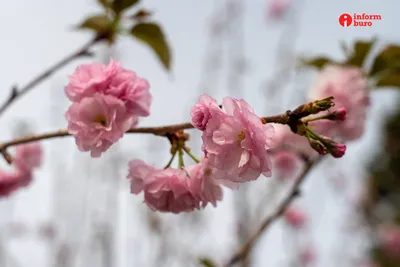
(79, 212)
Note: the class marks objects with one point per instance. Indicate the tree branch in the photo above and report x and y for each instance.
(160, 131)
(243, 252)
(19, 92)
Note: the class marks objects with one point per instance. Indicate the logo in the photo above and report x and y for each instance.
(358, 20)
(345, 20)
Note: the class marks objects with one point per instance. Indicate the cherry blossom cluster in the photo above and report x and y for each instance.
(235, 146)
(27, 158)
(108, 100)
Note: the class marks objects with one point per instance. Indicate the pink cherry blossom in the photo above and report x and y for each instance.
(97, 122)
(201, 111)
(89, 79)
(133, 90)
(28, 156)
(165, 190)
(10, 182)
(203, 183)
(236, 143)
(390, 239)
(111, 79)
(307, 256)
(348, 85)
(277, 8)
(138, 173)
(286, 163)
(295, 217)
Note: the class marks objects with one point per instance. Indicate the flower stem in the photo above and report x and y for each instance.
(191, 155)
(181, 163)
(170, 161)
(316, 118)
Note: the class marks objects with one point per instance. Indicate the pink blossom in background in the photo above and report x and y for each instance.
(10, 182)
(201, 111)
(236, 142)
(284, 138)
(276, 9)
(165, 190)
(390, 239)
(348, 85)
(47, 231)
(307, 256)
(286, 163)
(16, 229)
(28, 156)
(203, 183)
(97, 122)
(295, 217)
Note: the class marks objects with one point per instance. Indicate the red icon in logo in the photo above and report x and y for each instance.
(345, 20)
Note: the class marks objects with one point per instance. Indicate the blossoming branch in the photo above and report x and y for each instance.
(108, 100)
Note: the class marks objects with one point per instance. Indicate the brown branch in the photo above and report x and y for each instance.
(243, 252)
(160, 130)
(290, 118)
(19, 92)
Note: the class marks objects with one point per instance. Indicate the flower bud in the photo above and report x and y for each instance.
(314, 107)
(337, 150)
(338, 115)
(321, 105)
(318, 146)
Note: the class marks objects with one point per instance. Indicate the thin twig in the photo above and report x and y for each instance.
(243, 252)
(19, 92)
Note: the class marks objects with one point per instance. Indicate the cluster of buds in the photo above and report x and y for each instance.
(322, 144)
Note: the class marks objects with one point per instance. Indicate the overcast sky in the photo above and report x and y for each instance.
(37, 33)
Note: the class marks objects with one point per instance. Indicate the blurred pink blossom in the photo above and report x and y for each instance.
(10, 182)
(307, 256)
(276, 9)
(286, 163)
(295, 217)
(285, 139)
(390, 239)
(28, 156)
(348, 85)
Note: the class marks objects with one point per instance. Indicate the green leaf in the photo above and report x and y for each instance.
(390, 79)
(98, 23)
(360, 52)
(152, 35)
(387, 59)
(207, 263)
(318, 63)
(104, 3)
(120, 5)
